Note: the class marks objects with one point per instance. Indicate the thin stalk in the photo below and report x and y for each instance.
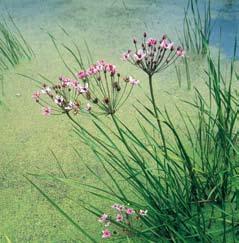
(156, 113)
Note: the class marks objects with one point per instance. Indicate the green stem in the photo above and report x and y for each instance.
(156, 113)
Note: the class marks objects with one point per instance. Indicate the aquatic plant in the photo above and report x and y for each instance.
(185, 183)
(197, 27)
(152, 57)
(13, 46)
(100, 86)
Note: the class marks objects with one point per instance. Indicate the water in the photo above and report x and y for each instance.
(26, 137)
(226, 22)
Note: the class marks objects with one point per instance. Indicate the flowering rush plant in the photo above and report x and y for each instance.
(127, 218)
(99, 89)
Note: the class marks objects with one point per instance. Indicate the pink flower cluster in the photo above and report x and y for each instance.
(153, 55)
(97, 68)
(124, 215)
(90, 88)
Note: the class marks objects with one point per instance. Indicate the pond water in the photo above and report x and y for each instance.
(26, 137)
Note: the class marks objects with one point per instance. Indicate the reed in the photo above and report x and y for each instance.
(13, 46)
(197, 27)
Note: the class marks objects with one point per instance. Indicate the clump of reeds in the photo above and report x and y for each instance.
(13, 46)
(197, 27)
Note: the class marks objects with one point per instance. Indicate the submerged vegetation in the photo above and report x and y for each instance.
(13, 46)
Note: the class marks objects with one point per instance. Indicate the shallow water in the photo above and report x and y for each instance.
(26, 136)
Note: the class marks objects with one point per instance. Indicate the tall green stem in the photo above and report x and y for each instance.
(156, 113)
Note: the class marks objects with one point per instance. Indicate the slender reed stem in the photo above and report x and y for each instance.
(156, 113)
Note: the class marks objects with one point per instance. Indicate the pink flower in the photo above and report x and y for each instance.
(82, 74)
(115, 206)
(139, 55)
(92, 70)
(59, 100)
(180, 52)
(46, 111)
(111, 68)
(119, 218)
(83, 89)
(170, 46)
(106, 234)
(133, 81)
(125, 56)
(120, 208)
(65, 82)
(130, 211)
(103, 218)
(143, 212)
(164, 44)
(36, 95)
(152, 42)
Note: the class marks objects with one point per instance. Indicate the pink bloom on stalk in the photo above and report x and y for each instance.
(152, 42)
(143, 212)
(83, 89)
(139, 55)
(120, 208)
(59, 100)
(164, 43)
(115, 206)
(46, 111)
(82, 74)
(74, 83)
(65, 82)
(111, 68)
(36, 95)
(180, 52)
(130, 211)
(119, 218)
(125, 56)
(133, 81)
(92, 70)
(103, 218)
(170, 46)
(106, 234)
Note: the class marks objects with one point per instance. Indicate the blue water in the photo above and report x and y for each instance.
(225, 26)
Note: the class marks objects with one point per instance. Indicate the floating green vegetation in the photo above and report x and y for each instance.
(197, 27)
(13, 46)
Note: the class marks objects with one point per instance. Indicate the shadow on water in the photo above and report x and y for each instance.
(226, 21)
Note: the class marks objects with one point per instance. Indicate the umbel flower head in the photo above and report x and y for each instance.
(152, 55)
(99, 89)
